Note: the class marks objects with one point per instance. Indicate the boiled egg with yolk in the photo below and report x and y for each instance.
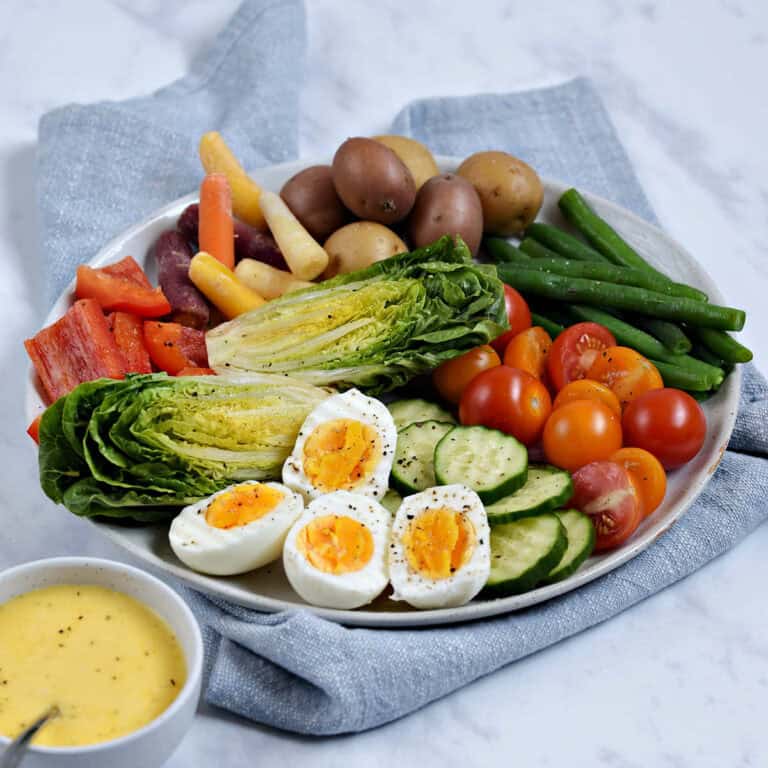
(336, 553)
(235, 530)
(440, 553)
(347, 443)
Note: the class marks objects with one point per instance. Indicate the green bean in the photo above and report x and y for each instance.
(723, 346)
(704, 353)
(629, 336)
(538, 251)
(563, 243)
(605, 238)
(630, 297)
(669, 334)
(503, 250)
(550, 326)
(682, 378)
(610, 273)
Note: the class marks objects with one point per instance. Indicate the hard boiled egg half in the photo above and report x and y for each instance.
(235, 530)
(440, 555)
(336, 553)
(347, 443)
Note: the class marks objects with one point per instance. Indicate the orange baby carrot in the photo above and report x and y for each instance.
(216, 231)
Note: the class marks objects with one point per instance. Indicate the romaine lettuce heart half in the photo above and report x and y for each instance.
(142, 447)
(375, 328)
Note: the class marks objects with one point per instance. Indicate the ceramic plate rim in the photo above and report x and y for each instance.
(727, 398)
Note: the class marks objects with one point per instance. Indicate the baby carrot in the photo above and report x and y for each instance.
(216, 233)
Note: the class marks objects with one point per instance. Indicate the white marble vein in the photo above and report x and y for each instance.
(680, 681)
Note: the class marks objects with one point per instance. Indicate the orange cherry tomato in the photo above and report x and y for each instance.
(580, 432)
(509, 400)
(528, 351)
(625, 372)
(518, 314)
(646, 473)
(586, 389)
(452, 377)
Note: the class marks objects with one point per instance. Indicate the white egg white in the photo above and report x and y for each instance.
(224, 552)
(353, 405)
(460, 587)
(344, 590)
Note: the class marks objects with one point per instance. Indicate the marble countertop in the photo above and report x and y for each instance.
(680, 680)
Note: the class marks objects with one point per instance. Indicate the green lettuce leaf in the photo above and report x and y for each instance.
(142, 447)
(374, 329)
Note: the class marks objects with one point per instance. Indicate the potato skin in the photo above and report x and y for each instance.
(510, 191)
(312, 198)
(358, 245)
(417, 158)
(372, 181)
(447, 205)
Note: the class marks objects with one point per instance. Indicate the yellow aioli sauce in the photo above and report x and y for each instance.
(110, 663)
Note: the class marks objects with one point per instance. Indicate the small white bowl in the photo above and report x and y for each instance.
(153, 744)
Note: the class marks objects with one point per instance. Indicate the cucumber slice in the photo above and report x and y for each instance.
(489, 462)
(405, 412)
(413, 469)
(581, 542)
(524, 552)
(545, 489)
(391, 500)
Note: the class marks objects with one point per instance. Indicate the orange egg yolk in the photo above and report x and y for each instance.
(242, 505)
(439, 542)
(336, 544)
(341, 454)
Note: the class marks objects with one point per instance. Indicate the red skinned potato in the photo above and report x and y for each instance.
(447, 205)
(372, 181)
(173, 255)
(249, 242)
(312, 198)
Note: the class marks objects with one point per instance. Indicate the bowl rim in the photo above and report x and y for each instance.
(194, 664)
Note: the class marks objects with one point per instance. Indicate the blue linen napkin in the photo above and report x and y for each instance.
(104, 166)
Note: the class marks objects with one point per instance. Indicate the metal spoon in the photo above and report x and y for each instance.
(15, 751)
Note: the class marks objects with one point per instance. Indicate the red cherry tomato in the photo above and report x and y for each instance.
(604, 491)
(580, 432)
(519, 317)
(507, 399)
(574, 351)
(452, 377)
(668, 423)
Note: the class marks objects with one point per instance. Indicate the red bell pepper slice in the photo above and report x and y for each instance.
(192, 370)
(33, 430)
(173, 347)
(76, 348)
(128, 268)
(118, 293)
(128, 330)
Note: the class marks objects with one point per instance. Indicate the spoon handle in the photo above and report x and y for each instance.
(15, 751)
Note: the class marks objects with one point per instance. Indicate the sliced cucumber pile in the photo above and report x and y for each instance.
(523, 553)
(545, 489)
(581, 542)
(413, 469)
(489, 462)
(405, 412)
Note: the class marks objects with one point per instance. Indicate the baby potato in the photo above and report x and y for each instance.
(372, 181)
(417, 158)
(510, 191)
(447, 205)
(358, 245)
(312, 198)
